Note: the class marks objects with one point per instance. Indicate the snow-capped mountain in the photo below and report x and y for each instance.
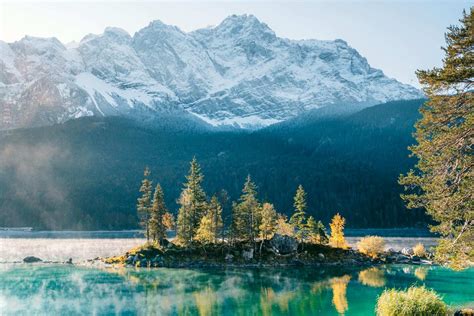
(237, 73)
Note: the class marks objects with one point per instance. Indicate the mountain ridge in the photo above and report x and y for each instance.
(238, 73)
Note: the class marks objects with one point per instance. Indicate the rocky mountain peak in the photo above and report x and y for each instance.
(238, 73)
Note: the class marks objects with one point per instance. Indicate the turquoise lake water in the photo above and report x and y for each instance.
(72, 290)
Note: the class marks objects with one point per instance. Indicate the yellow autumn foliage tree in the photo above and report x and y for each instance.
(205, 234)
(337, 239)
(283, 227)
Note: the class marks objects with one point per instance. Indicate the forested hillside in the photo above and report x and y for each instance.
(85, 173)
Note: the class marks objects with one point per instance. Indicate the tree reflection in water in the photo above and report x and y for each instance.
(75, 290)
(206, 301)
(260, 292)
(373, 277)
(339, 293)
(421, 273)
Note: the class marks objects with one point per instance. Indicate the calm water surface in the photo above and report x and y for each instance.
(69, 290)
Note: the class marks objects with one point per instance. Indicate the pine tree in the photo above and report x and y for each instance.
(315, 231)
(224, 200)
(158, 211)
(184, 226)
(246, 214)
(193, 204)
(323, 236)
(215, 213)
(337, 232)
(443, 180)
(269, 221)
(144, 203)
(297, 220)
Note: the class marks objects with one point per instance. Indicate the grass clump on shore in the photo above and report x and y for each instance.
(419, 250)
(413, 301)
(371, 246)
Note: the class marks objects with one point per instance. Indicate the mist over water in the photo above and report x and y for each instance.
(59, 246)
(60, 250)
(79, 250)
(51, 288)
(82, 289)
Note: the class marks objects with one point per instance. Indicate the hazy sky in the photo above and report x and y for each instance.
(395, 36)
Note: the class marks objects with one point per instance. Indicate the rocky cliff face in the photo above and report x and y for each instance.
(238, 73)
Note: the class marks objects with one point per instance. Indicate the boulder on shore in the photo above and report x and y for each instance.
(407, 251)
(283, 245)
(31, 259)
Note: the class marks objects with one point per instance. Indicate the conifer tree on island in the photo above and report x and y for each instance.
(246, 214)
(315, 231)
(158, 211)
(184, 227)
(269, 221)
(299, 215)
(215, 212)
(337, 232)
(211, 224)
(193, 204)
(144, 203)
(443, 181)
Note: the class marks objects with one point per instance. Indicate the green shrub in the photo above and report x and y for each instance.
(418, 301)
(371, 246)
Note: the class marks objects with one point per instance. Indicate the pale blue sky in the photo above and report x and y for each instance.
(395, 36)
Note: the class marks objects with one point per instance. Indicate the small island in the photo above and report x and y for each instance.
(257, 235)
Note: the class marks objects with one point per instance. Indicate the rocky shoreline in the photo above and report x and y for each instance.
(279, 252)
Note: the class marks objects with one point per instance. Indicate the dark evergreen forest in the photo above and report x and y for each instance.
(85, 174)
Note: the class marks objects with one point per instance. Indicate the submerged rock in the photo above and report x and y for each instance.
(31, 259)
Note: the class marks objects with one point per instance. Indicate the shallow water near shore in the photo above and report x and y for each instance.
(44, 289)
